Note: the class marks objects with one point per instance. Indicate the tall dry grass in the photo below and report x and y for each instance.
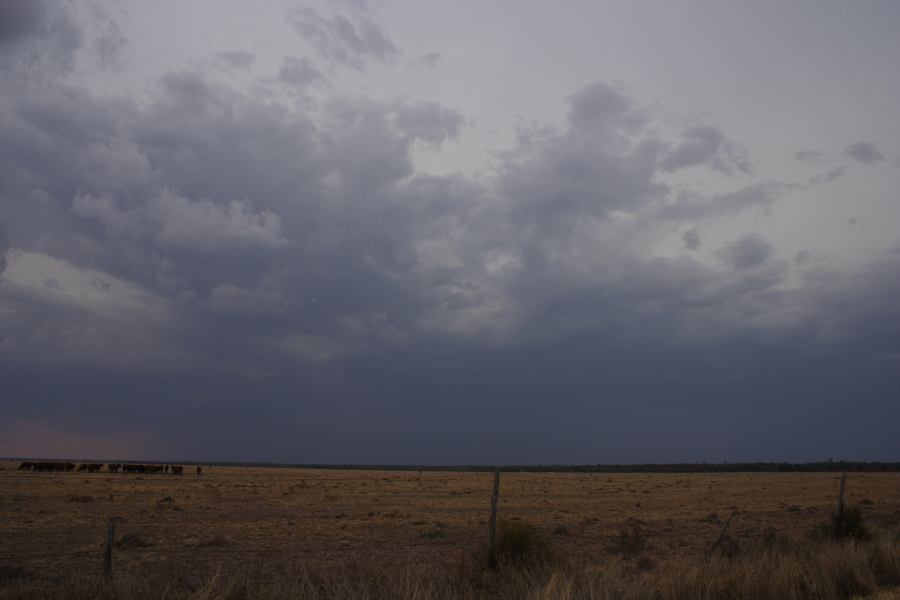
(768, 569)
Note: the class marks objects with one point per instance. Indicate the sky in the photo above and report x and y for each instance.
(505, 232)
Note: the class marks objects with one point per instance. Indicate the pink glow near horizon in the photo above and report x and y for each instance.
(34, 439)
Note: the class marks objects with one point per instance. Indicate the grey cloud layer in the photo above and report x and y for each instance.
(35, 34)
(223, 251)
(704, 144)
(865, 152)
(347, 39)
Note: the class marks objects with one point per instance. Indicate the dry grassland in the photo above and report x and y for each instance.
(53, 525)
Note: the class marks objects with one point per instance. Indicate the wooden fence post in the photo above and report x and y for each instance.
(492, 524)
(839, 520)
(107, 553)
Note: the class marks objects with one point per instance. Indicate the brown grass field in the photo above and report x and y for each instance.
(238, 532)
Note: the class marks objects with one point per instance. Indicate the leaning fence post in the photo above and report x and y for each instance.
(492, 524)
(107, 553)
(839, 520)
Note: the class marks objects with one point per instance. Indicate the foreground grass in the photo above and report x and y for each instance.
(767, 569)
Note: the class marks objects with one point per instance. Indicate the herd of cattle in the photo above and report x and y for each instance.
(69, 467)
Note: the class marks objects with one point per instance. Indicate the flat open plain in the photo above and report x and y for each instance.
(53, 523)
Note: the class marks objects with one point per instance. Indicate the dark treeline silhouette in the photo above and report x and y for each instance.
(725, 467)
(754, 467)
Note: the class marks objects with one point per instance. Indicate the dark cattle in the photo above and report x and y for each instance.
(26, 466)
(167, 468)
(82, 468)
(199, 470)
(94, 467)
(46, 466)
(177, 469)
(153, 468)
(132, 468)
(114, 467)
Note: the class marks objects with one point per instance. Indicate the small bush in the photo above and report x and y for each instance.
(774, 540)
(630, 540)
(433, 534)
(9, 573)
(645, 564)
(849, 524)
(216, 541)
(80, 499)
(168, 503)
(520, 541)
(132, 540)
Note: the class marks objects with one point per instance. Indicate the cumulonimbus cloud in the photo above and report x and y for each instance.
(248, 246)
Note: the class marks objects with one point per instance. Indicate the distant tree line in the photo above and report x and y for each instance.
(830, 466)
(724, 467)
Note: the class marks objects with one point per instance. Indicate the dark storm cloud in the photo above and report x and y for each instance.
(599, 164)
(803, 257)
(230, 267)
(600, 107)
(691, 206)
(865, 152)
(109, 42)
(349, 39)
(809, 156)
(4, 248)
(829, 176)
(21, 18)
(215, 197)
(747, 252)
(691, 239)
(428, 121)
(706, 145)
(299, 72)
(37, 34)
(236, 59)
(428, 60)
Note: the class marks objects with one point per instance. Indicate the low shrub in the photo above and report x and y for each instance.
(630, 540)
(11, 572)
(215, 541)
(520, 541)
(846, 525)
(80, 499)
(132, 540)
(849, 524)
